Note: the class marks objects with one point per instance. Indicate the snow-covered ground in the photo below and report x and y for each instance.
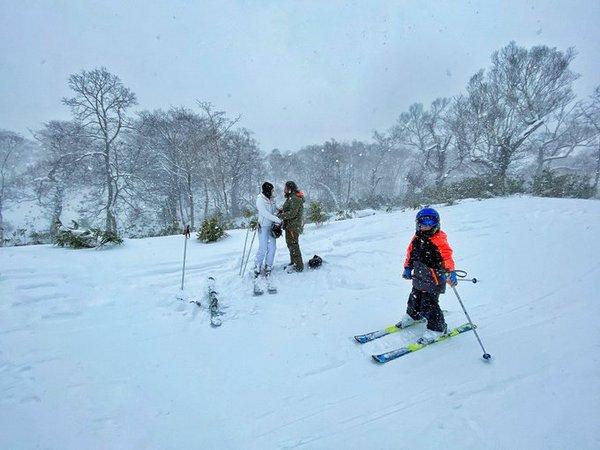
(97, 352)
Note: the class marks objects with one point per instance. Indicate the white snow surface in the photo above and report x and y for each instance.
(98, 352)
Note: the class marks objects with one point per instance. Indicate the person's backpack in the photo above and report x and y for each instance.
(276, 230)
(315, 262)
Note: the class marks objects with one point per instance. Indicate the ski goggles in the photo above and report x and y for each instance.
(427, 221)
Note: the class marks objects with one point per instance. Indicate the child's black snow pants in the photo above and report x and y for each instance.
(425, 305)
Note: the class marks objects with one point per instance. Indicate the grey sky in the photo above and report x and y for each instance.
(298, 72)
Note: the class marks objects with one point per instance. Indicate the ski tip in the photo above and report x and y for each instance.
(359, 339)
(377, 359)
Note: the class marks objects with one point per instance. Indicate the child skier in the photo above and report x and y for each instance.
(267, 244)
(428, 260)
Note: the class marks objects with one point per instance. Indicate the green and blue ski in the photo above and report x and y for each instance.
(410, 348)
(368, 337)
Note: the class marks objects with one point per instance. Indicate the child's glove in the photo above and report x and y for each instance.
(452, 279)
(407, 274)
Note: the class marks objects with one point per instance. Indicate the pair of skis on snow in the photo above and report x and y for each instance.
(258, 289)
(410, 348)
(213, 304)
(270, 288)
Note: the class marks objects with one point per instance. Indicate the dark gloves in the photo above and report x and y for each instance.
(407, 274)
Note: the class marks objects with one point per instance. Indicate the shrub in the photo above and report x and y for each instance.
(40, 238)
(550, 184)
(212, 229)
(316, 214)
(76, 237)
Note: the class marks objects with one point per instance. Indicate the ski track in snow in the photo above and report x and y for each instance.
(100, 349)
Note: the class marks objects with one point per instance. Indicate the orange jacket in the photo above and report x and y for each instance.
(434, 251)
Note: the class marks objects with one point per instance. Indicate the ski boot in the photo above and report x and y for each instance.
(271, 289)
(293, 269)
(406, 321)
(431, 336)
(258, 290)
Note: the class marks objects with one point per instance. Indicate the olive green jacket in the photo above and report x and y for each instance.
(293, 213)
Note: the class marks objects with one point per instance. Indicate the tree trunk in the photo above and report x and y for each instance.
(1, 225)
(234, 199)
(206, 200)
(441, 169)
(597, 177)
(350, 177)
(503, 163)
(57, 207)
(190, 198)
(172, 199)
(181, 209)
(110, 225)
(539, 162)
(225, 201)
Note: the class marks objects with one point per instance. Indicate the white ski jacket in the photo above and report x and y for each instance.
(266, 211)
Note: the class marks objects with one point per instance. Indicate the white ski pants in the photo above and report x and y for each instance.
(267, 244)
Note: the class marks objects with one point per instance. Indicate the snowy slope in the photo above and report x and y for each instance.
(97, 352)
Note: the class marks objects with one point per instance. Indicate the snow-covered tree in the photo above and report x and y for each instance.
(12, 148)
(506, 104)
(100, 105)
(590, 111)
(62, 165)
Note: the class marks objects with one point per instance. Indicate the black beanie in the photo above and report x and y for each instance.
(267, 189)
(292, 187)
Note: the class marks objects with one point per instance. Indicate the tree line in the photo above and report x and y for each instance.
(517, 127)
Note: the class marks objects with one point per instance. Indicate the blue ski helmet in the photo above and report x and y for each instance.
(428, 217)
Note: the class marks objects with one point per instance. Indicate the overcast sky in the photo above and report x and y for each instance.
(299, 73)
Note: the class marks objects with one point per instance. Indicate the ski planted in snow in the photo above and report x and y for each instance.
(410, 348)
(368, 337)
(213, 307)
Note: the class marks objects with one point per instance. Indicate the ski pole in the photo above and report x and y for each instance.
(486, 355)
(186, 234)
(249, 252)
(244, 252)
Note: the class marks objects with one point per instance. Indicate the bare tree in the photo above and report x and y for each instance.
(11, 147)
(507, 104)
(100, 105)
(65, 148)
(218, 127)
(430, 134)
(591, 113)
(245, 168)
(562, 133)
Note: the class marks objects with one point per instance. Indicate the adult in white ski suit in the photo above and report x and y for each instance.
(267, 244)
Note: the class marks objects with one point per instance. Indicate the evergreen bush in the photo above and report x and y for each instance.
(551, 184)
(316, 213)
(212, 229)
